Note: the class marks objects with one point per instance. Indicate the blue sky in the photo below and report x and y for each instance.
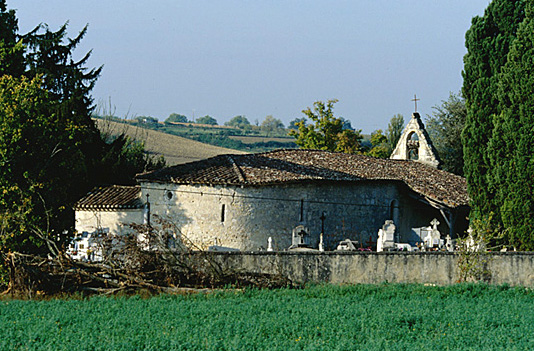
(258, 58)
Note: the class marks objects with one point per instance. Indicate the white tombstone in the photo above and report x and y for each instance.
(270, 244)
(386, 236)
(448, 243)
(347, 245)
(433, 238)
(404, 247)
(321, 243)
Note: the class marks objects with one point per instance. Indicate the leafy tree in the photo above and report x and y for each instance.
(293, 123)
(488, 41)
(39, 155)
(326, 132)
(380, 147)
(174, 117)
(445, 129)
(394, 131)
(238, 122)
(271, 124)
(207, 120)
(51, 152)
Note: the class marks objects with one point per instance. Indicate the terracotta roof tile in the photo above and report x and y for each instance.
(111, 198)
(284, 166)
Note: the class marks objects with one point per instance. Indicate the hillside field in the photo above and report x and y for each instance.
(262, 139)
(359, 317)
(175, 149)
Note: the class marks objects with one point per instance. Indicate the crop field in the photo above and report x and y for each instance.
(175, 149)
(360, 317)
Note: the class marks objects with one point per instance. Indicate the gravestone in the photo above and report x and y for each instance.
(347, 245)
(433, 237)
(270, 244)
(321, 243)
(386, 237)
(300, 237)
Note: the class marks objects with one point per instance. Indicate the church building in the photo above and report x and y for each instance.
(240, 201)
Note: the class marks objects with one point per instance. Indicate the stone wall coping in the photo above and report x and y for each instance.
(354, 253)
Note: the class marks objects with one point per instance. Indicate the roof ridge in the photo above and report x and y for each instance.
(237, 170)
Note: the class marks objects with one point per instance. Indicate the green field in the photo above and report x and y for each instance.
(361, 317)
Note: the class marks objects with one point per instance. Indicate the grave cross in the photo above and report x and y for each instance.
(370, 242)
(434, 223)
(415, 99)
(322, 218)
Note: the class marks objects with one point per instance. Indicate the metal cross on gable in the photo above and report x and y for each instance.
(415, 99)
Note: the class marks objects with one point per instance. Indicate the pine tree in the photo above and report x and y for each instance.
(11, 49)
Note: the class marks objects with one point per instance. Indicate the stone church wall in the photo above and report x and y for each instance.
(245, 217)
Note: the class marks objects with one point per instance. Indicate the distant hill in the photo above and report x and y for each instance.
(175, 149)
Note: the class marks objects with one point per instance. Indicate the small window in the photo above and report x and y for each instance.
(301, 218)
(222, 212)
(169, 195)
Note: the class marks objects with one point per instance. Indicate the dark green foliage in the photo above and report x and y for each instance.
(445, 129)
(238, 122)
(51, 153)
(358, 317)
(488, 42)
(498, 144)
(11, 49)
(174, 117)
(511, 145)
(394, 131)
(207, 120)
(379, 145)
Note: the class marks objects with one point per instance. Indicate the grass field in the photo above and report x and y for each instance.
(361, 317)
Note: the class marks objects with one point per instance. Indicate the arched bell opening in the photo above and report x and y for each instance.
(412, 145)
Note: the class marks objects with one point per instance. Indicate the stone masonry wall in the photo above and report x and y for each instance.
(244, 218)
(115, 221)
(516, 269)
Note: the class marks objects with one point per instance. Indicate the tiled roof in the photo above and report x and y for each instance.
(286, 166)
(111, 198)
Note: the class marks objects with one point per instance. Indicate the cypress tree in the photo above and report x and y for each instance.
(487, 41)
(512, 143)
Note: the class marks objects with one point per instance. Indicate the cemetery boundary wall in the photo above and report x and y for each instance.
(440, 268)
